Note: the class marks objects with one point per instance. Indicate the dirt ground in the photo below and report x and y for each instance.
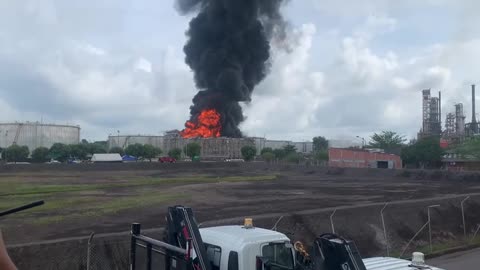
(106, 199)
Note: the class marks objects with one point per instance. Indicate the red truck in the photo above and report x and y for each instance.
(167, 160)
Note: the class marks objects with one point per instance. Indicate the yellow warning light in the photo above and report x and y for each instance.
(248, 223)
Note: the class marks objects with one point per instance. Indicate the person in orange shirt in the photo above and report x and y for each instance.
(5, 261)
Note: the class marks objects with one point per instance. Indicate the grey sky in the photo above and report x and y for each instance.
(355, 69)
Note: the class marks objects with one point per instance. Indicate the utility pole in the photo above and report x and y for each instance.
(5, 151)
(463, 218)
(430, 226)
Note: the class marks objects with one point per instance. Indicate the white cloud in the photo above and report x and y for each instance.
(284, 104)
(143, 65)
(374, 26)
(349, 8)
(361, 92)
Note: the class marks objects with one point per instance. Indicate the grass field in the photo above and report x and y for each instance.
(69, 199)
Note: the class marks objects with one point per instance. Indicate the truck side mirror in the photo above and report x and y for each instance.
(262, 263)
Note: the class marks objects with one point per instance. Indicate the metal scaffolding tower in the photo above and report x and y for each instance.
(450, 125)
(431, 114)
(426, 110)
(459, 120)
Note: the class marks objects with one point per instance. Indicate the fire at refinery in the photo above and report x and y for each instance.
(228, 49)
(207, 125)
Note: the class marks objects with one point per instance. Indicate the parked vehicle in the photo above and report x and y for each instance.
(167, 160)
(234, 160)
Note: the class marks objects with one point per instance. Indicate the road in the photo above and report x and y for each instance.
(464, 260)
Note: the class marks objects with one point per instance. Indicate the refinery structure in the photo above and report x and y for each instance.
(37, 134)
(456, 127)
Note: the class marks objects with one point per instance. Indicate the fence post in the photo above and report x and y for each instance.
(475, 234)
(331, 220)
(385, 229)
(149, 256)
(136, 227)
(89, 251)
(276, 223)
(430, 225)
(463, 218)
(409, 242)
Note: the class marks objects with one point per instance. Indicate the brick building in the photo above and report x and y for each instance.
(360, 158)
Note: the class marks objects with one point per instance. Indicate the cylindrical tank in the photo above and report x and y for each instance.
(124, 141)
(36, 134)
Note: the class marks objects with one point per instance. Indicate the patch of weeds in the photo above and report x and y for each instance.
(10, 189)
(112, 206)
(335, 171)
(405, 173)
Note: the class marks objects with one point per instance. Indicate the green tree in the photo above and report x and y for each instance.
(149, 151)
(268, 156)
(321, 155)
(175, 153)
(470, 149)
(424, 153)
(409, 156)
(97, 148)
(289, 149)
(192, 149)
(59, 151)
(320, 144)
(387, 140)
(137, 150)
(279, 153)
(40, 155)
(117, 150)
(266, 150)
(79, 151)
(16, 153)
(294, 157)
(248, 152)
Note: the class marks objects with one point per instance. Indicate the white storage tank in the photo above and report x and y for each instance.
(36, 134)
(124, 141)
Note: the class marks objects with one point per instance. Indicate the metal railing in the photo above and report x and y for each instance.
(179, 255)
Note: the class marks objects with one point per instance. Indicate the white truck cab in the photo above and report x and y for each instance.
(237, 247)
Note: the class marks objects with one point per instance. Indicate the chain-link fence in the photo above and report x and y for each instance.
(395, 229)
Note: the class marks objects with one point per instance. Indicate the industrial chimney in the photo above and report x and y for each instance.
(440, 110)
(474, 119)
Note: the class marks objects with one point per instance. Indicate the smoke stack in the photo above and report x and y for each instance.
(440, 109)
(474, 119)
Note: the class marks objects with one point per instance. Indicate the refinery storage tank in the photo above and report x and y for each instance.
(35, 134)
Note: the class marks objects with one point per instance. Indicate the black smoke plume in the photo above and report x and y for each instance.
(229, 49)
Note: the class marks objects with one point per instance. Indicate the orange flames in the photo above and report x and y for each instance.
(207, 126)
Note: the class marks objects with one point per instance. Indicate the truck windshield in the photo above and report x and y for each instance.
(279, 255)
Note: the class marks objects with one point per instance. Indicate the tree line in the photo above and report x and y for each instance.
(58, 151)
(425, 152)
(82, 151)
(289, 153)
